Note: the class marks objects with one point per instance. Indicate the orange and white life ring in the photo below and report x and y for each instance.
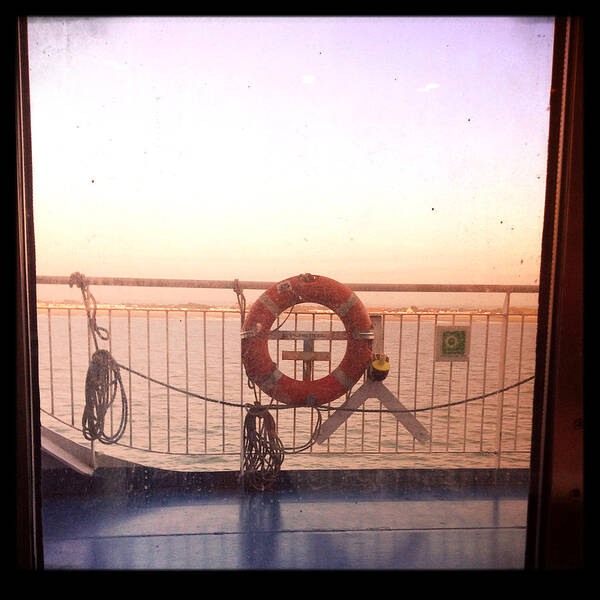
(261, 369)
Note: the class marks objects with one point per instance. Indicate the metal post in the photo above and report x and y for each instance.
(377, 322)
(92, 455)
(501, 374)
(307, 365)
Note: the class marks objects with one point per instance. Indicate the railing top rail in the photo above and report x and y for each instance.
(263, 285)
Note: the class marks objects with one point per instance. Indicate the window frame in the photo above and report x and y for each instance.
(555, 507)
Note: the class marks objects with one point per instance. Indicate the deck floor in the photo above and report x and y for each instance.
(483, 529)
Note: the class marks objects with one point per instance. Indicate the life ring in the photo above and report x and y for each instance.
(261, 369)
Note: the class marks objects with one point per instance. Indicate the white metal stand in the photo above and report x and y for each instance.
(374, 389)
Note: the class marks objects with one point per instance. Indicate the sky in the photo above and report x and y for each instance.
(384, 150)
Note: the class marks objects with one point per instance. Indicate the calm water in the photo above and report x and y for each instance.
(170, 429)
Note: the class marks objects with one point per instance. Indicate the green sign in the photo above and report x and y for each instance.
(452, 342)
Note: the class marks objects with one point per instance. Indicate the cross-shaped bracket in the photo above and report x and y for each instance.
(307, 355)
(373, 389)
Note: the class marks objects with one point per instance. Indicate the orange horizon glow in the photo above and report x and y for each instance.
(400, 150)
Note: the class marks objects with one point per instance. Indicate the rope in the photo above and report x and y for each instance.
(241, 299)
(313, 438)
(90, 306)
(101, 384)
(263, 450)
(103, 376)
(426, 408)
(330, 408)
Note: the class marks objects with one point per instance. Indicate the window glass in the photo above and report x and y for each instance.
(373, 149)
(393, 150)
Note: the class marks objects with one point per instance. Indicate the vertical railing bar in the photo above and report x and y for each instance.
(50, 364)
(294, 409)
(187, 382)
(241, 436)
(362, 428)
(329, 370)
(329, 363)
(277, 364)
(363, 416)
(112, 429)
(205, 383)
(346, 434)
(312, 376)
(362, 425)
(399, 374)
(148, 371)
(168, 382)
(71, 368)
(380, 402)
(467, 388)
(416, 371)
(435, 320)
(92, 450)
(223, 381)
(501, 377)
(130, 403)
(485, 360)
(519, 379)
(449, 397)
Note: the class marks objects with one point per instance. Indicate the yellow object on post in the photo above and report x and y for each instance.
(379, 367)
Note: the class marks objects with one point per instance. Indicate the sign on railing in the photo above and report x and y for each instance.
(452, 342)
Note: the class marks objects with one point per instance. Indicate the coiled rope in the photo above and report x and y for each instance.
(103, 378)
(101, 384)
(263, 452)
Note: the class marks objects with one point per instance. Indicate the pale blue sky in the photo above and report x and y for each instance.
(403, 150)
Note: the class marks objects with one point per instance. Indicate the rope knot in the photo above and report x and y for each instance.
(79, 280)
(83, 284)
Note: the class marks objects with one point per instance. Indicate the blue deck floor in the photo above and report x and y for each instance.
(483, 529)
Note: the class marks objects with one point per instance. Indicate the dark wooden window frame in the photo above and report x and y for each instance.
(555, 508)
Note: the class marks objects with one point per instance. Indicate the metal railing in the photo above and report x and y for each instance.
(186, 384)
